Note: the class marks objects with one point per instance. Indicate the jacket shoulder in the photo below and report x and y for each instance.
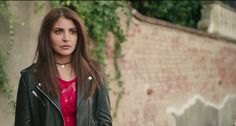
(29, 69)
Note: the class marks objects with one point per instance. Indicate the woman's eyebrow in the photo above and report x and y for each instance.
(73, 28)
(58, 28)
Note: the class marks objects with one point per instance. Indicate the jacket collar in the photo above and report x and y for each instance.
(54, 99)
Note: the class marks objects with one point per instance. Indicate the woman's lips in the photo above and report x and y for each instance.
(65, 46)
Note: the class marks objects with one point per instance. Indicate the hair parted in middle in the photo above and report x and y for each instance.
(84, 66)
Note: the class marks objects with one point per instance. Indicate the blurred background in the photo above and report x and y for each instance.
(168, 63)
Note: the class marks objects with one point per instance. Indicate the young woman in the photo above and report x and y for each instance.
(64, 87)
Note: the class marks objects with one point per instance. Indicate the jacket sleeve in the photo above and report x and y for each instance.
(103, 110)
(22, 112)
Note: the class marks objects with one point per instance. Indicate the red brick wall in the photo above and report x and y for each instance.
(165, 67)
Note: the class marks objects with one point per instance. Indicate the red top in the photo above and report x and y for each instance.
(68, 101)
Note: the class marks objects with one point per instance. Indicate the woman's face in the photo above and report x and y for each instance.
(63, 37)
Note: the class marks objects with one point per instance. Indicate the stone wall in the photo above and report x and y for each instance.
(218, 19)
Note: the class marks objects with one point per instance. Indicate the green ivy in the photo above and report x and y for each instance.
(4, 86)
(3, 5)
(100, 18)
(3, 75)
(39, 6)
(5, 12)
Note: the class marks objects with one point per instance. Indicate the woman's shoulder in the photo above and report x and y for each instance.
(97, 66)
(94, 62)
(29, 69)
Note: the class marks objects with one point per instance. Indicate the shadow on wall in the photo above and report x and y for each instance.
(199, 112)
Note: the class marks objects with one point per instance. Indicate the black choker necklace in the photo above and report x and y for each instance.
(63, 64)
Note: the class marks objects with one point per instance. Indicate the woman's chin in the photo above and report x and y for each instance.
(64, 54)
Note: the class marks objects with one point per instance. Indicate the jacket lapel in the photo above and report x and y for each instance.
(53, 100)
(79, 98)
(79, 94)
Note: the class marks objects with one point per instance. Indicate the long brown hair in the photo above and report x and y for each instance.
(81, 63)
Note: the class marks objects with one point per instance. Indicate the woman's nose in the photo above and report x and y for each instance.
(66, 37)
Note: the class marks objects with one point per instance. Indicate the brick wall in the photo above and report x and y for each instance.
(164, 66)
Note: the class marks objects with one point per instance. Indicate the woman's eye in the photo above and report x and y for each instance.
(73, 31)
(58, 32)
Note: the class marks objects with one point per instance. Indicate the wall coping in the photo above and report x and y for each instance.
(160, 22)
(221, 4)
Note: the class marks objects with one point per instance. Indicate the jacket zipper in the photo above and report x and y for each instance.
(89, 118)
(89, 111)
(51, 102)
(36, 95)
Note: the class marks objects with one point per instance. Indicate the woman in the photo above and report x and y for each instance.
(64, 87)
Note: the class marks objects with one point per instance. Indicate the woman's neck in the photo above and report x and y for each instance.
(64, 67)
(62, 60)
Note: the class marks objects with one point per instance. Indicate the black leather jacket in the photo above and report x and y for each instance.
(35, 107)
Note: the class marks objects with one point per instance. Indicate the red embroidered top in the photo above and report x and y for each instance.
(68, 101)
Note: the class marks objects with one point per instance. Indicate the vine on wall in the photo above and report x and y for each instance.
(5, 12)
(100, 18)
(3, 77)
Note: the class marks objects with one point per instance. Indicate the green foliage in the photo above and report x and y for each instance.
(100, 18)
(3, 76)
(4, 86)
(38, 7)
(3, 5)
(5, 12)
(185, 12)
